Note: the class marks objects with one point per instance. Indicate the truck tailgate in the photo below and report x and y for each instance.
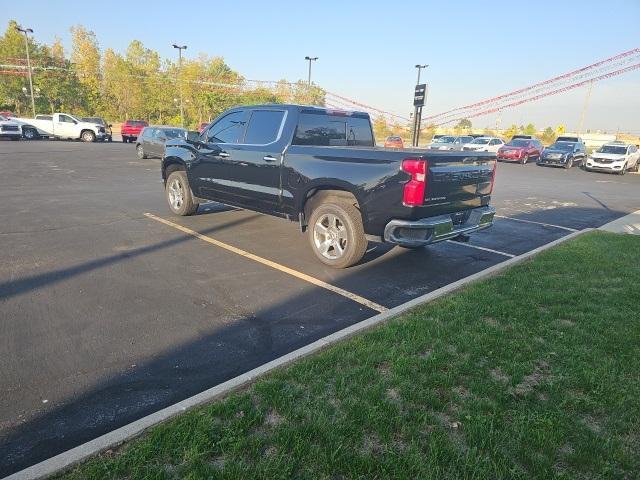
(454, 177)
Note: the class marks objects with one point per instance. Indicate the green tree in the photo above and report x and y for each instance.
(85, 57)
(464, 124)
(511, 131)
(548, 135)
(530, 129)
(381, 128)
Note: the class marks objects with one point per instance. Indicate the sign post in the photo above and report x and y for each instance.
(419, 96)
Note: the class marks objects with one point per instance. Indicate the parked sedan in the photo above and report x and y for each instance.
(520, 150)
(450, 142)
(150, 142)
(394, 141)
(563, 154)
(614, 157)
(484, 144)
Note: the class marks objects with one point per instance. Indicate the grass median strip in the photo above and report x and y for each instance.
(532, 374)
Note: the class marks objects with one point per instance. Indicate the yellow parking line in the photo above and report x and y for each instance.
(269, 263)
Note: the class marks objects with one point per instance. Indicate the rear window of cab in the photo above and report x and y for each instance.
(326, 130)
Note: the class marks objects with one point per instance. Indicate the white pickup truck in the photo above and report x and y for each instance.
(60, 125)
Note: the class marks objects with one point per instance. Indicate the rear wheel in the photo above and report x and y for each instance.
(624, 169)
(30, 133)
(336, 233)
(178, 193)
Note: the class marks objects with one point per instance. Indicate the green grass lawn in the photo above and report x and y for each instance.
(532, 374)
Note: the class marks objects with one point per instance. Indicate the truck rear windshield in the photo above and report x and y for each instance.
(325, 130)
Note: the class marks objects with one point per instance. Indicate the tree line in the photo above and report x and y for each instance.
(136, 84)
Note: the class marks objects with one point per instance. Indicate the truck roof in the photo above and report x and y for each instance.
(309, 108)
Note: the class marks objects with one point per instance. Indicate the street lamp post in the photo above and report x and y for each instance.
(26, 31)
(417, 114)
(179, 79)
(310, 59)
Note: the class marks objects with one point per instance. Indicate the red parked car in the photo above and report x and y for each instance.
(202, 126)
(520, 150)
(131, 129)
(394, 141)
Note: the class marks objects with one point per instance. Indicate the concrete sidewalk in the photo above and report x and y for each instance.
(627, 224)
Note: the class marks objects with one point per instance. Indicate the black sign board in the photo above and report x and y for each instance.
(420, 94)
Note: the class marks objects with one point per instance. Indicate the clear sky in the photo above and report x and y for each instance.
(368, 49)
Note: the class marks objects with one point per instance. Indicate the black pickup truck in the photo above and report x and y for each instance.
(321, 168)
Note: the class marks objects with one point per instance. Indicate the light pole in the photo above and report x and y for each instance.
(179, 79)
(26, 31)
(417, 114)
(310, 59)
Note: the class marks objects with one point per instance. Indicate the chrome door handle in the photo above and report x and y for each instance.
(269, 158)
(223, 155)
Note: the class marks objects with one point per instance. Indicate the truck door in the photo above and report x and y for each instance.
(65, 126)
(256, 162)
(210, 174)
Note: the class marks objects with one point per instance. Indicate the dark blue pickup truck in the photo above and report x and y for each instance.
(321, 168)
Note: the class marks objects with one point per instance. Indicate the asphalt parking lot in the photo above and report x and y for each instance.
(108, 314)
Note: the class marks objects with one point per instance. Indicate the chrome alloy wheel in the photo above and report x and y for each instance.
(330, 236)
(176, 194)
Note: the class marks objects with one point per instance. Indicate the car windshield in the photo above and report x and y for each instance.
(393, 139)
(518, 143)
(615, 149)
(481, 141)
(446, 139)
(97, 120)
(564, 146)
(466, 139)
(174, 133)
(137, 123)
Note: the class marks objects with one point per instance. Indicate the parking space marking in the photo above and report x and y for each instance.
(568, 229)
(274, 265)
(510, 255)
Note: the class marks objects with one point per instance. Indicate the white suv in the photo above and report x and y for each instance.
(616, 157)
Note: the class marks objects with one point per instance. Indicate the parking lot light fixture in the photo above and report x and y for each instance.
(26, 32)
(310, 59)
(179, 79)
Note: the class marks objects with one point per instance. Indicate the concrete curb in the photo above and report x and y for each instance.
(628, 224)
(112, 439)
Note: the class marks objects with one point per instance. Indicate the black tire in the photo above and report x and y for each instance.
(125, 139)
(109, 138)
(88, 136)
(346, 232)
(636, 167)
(524, 160)
(140, 152)
(30, 133)
(624, 170)
(178, 184)
(568, 164)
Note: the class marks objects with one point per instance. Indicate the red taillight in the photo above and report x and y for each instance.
(414, 189)
(493, 176)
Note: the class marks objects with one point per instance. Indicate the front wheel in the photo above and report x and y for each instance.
(140, 152)
(88, 136)
(569, 163)
(178, 193)
(524, 160)
(624, 169)
(336, 233)
(125, 139)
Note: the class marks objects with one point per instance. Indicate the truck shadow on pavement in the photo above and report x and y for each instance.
(231, 349)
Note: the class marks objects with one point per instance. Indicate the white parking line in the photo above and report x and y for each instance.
(269, 263)
(510, 255)
(538, 223)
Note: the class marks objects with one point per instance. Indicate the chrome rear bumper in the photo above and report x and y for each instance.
(416, 233)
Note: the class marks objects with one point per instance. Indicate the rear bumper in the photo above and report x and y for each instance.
(10, 134)
(416, 233)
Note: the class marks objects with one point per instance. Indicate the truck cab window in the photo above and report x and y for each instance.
(359, 132)
(264, 127)
(65, 119)
(320, 130)
(229, 129)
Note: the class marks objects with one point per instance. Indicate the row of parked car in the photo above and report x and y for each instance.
(566, 151)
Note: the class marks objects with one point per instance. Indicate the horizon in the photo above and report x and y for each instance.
(612, 106)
